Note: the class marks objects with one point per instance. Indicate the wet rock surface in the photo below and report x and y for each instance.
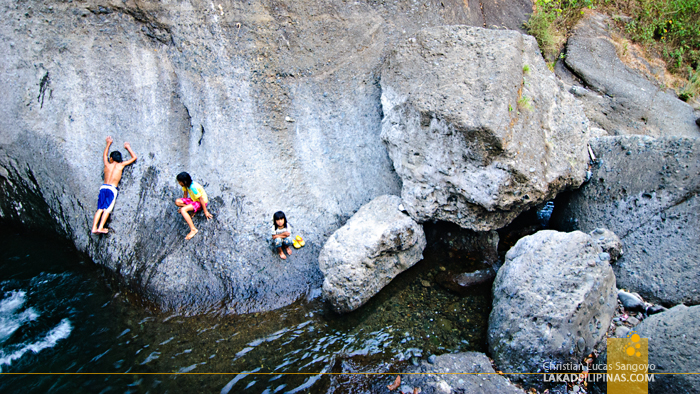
(360, 258)
(616, 97)
(645, 191)
(463, 281)
(553, 300)
(441, 376)
(631, 301)
(477, 127)
(270, 105)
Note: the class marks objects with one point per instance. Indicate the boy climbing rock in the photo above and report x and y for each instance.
(108, 191)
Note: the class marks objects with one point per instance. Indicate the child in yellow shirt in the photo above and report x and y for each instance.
(193, 199)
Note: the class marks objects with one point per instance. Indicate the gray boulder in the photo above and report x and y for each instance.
(459, 373)
(553, 300)
(674, 345)
(271, 105)
(477, 127)
(616, 97)
(645, 190)
(360, 258)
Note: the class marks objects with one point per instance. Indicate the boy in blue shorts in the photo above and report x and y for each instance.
(108, 191)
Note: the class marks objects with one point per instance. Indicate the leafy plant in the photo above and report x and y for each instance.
(692, 88)
(524, 103)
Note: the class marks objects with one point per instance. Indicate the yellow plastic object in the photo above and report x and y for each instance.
(296, 244)
(300, 241)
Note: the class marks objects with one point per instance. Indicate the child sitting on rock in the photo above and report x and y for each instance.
(194, 199)
(281, 234)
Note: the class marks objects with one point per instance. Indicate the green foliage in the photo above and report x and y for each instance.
(541, 26)
(524, 103)
(672, 26)
(551, 19)
(692, 88)
(526, 69)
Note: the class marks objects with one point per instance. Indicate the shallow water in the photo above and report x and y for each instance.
(58, 315)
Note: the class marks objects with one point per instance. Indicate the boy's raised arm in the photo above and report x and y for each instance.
(106, 152)
(131, 152)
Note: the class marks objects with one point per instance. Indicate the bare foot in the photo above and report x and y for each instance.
(191, 234)
(94, 230)
(289, 250)
(102, 230)
(282, 256)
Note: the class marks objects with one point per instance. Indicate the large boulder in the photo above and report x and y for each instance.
(616, 97)
(271, 105)
(553, 300)
(360, 258)
(674, 345)
(477, 127)
(645, 190)
(459, 373)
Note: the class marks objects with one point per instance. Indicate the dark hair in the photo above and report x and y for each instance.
(279, 215)
(116, 156)
(185, 178)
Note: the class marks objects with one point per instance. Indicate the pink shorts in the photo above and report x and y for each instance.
(195, 204)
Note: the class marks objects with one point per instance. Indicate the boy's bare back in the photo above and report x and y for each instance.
(113, 170)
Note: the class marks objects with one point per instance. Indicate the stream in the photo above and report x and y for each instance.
(59, 315)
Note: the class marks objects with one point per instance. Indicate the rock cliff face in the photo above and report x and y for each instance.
(271, 105)
(477, 128)
(645, 190)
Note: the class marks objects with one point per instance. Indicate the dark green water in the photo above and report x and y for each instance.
(58, 315)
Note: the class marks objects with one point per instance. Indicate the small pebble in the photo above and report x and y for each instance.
(432, 359)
